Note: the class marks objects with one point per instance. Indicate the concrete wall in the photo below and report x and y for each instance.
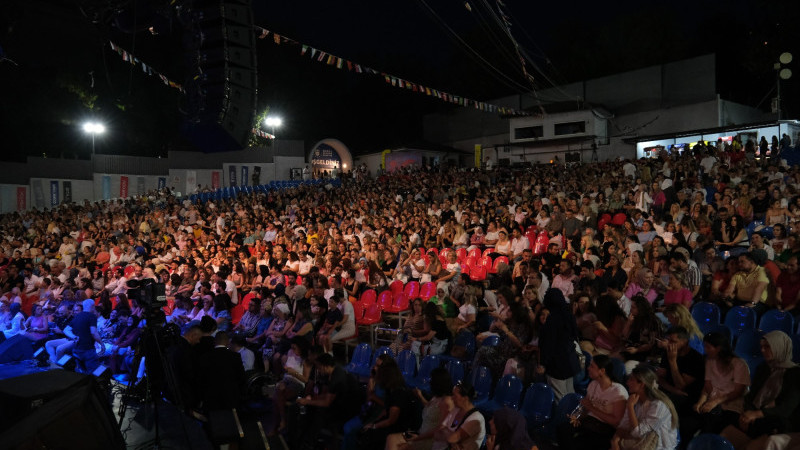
(81, 190)
(8, 197)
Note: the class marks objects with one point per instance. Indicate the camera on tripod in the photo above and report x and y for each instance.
(149, 294)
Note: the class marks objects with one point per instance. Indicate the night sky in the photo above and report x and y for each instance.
(64, 71)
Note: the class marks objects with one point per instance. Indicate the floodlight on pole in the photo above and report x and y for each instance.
(94, 128)
(273, 122)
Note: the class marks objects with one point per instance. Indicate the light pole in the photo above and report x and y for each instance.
(783, 73)
(94, 128)
(273, 122)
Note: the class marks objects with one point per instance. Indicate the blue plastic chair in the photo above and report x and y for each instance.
(777, 320)
(537, 407)
(407, 362)
(581, 381)
(697, 344)
(464, 339)
(795, 348)
(708, 441)
(360, 363)
(491, 341)
(748, 347)
(618, 369)
(481, 380)
(740, 318)
(423, 378)
(567, 404)
(506, 394)
(706, 315)
(381, 351)
(456, 370)
(751, 227)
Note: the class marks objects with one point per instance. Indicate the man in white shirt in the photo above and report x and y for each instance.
(237, 345)
(519, 244)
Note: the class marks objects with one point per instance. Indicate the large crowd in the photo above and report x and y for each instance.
(584, 277)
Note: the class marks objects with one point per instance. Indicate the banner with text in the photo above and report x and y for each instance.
(123, 187)
(38, 194)
(232, 176)
(215, 180)
(191, 181)
(162, 183)
(245, 176)
(106, 187)
(54, 193)
(22, 198)
(67, 186)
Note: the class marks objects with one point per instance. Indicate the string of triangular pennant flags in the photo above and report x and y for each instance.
(129, 57)
(398, 82)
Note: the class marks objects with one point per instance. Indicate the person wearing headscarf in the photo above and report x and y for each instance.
(773, 404)
(509, 431)
(557, 337)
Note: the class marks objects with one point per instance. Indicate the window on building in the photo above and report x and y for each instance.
(569, 128)
(529, 132)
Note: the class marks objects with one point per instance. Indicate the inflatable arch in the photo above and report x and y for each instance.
(330, 154)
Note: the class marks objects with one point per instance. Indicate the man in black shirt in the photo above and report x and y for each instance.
(682, 372)
(335, 401)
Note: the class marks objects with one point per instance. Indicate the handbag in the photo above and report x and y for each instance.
(647, 442)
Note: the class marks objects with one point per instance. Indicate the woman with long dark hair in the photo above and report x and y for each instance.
(722, 399)
(600, 411)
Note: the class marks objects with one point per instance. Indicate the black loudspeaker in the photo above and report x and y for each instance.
(17, 348)
(56, 409)
(221, 86)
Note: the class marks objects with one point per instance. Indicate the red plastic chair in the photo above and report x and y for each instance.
(488, 250)
(486, 261)
(466, 269)
(236, 313)
(446, 252)
(396, 286)
(411, 290)
(461, 254)
(368, 297)
(478, 273)
(129, 270)
(532, 229)
(247, 299)
(371, 319)
(385, 299)
(426, 258)
(471, 261)
(398, 309)
(542, 241)
(603, 220)
(500, 259)
(474, 253)
(619, 219)
(442, 259)
(358, 311)
(427, 290)
(531, 235)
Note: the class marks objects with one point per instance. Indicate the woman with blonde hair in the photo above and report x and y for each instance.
(679, 316)
(650, 419)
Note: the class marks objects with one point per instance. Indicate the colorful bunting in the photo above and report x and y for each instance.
(330, 60)
(127, 57)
